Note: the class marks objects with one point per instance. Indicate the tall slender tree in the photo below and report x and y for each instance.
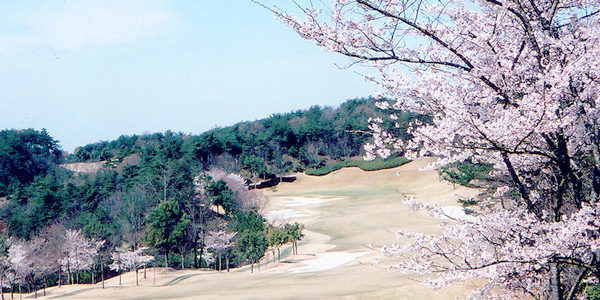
(20, 265)
(277, 237)
(253, 245)
(118, 262)
(168, 227)
(125, 259)
(294, 235)
(4, 267)
(219, 241)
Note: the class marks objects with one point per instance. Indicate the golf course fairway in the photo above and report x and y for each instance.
(343, 213)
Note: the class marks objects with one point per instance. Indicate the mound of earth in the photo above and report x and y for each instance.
(93, 167)
(87, 168)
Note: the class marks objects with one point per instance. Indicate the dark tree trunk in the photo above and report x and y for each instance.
(555, 291)
(201, 253)
(196, 253)
(279, 253)
(182, 260)
(102, 271)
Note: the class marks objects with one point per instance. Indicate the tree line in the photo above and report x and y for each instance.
(280, 144)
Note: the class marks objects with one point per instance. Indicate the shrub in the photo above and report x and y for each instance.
(593, 292)
(374, 165)
(465, 172)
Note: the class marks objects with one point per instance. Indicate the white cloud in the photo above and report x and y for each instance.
(71, 25)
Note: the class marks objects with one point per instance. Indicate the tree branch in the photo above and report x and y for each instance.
(469, 66)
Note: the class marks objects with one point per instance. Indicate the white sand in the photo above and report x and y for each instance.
(320, 262)
(284, 214)
(327, 261)
(457, 212)
(83, 167)
(302, 201)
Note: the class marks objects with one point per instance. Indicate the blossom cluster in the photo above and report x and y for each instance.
(79, 251)
(124, 259)
(510, 249)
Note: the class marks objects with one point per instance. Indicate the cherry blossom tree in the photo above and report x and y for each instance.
(118, 258)
(513, 250)
(79, 251)
(220, 241)
(136, 259)
(41, 261)
(208, 257)
(124, 259)
(29, 262)
(20, 265)
(4, 267)
(513, 83)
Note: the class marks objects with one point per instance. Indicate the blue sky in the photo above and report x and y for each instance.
(93, 70)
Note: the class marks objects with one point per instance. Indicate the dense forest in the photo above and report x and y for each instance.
(183, 196)
(280, 144)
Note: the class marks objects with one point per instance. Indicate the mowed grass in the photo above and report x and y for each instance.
(359, 208)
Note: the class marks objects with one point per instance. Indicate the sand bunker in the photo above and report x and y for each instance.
(302, 201)
(284, 214)
(327, 261)
(457, 212)
(84, 167)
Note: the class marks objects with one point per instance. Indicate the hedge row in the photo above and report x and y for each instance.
(374, 165)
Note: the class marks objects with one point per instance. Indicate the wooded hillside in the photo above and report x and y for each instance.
(280, 144)
(172, 192)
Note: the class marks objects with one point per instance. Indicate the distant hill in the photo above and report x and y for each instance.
(281, 144)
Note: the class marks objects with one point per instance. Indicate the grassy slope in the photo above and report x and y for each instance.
(360, 208)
